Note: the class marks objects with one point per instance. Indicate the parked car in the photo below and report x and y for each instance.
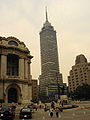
(25, 113)
(7, 113)
(31, 108)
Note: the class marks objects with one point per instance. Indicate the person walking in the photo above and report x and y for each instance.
(51, 112)
(52, 104)
(57, 112)
(45, 107)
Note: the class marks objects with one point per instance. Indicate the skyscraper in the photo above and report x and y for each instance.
(50, 79)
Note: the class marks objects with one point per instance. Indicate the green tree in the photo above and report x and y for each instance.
(81, 93)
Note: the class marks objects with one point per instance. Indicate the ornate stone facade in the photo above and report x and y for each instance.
(15, 76)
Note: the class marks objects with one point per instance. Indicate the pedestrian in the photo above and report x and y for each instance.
(40, 106)
(57, 112)
(45, 107)
(62, 103)
(51, 112)
(52, 104)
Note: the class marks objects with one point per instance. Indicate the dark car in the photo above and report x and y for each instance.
(7, 113)
(25, 113)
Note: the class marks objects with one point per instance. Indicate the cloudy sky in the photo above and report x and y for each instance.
(24, 19)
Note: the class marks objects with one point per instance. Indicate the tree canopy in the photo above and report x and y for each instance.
(81, 93)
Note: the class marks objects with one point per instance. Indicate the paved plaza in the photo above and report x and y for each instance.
(75, 114)
(80, 113)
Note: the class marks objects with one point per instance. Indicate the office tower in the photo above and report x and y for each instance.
(79, 74)
(50, 79)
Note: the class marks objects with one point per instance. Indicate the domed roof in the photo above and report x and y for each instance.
(13, 42)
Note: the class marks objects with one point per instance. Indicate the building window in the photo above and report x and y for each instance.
(80, 71)
(12, 65)
(13, 43)
(77, 84)
(75, 70)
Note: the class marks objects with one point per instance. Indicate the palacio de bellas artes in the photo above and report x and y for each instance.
(15, 76)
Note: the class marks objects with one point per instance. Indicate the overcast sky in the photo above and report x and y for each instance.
(24, 19)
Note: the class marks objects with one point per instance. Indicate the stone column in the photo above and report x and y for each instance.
(29, 72)
(3, 74)
(3, 66)
(21, 68)
(1, 90)
(26, 68)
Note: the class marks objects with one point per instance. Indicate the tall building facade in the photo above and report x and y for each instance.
(79, 74)
(34, 90)
(15, 75)
(50, 79)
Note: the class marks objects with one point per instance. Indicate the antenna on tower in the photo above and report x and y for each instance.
(46, 13)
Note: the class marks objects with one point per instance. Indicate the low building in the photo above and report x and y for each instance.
(80, 73)
(15, 80)
(34, 90)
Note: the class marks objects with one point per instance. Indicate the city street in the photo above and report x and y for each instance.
(80, 113)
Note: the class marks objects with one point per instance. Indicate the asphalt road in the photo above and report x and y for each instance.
(81, 113)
